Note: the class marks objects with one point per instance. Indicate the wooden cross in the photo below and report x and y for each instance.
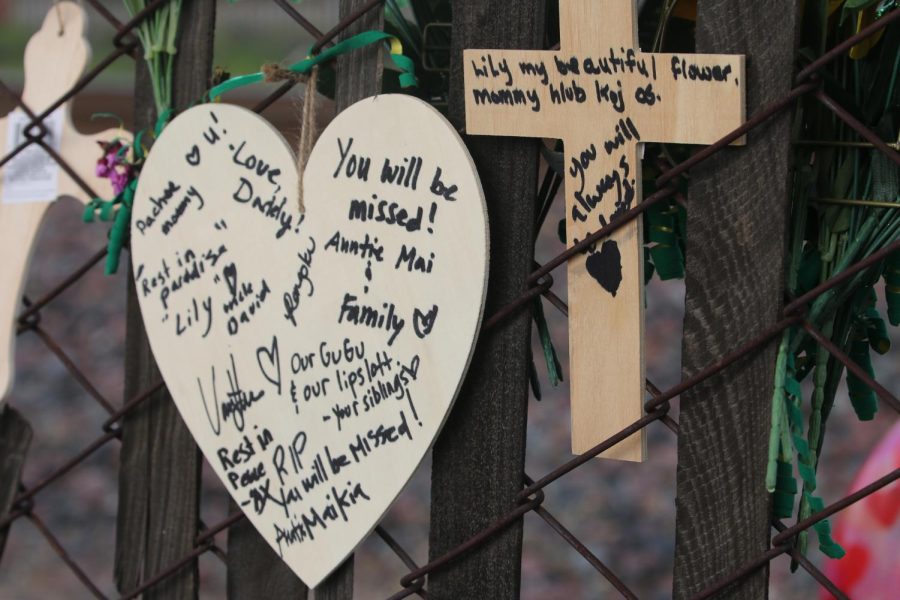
(54, 60)
(603, 97)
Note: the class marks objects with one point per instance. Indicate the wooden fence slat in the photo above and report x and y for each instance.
(160, 463)
(479, 457)
(15, 437)
(737, 233)
(254, 568)
(359, 75)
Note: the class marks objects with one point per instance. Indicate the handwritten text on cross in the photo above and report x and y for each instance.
(602, 96)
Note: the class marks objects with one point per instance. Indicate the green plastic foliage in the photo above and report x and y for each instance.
(892, 287)
(554, 368)
(663, 223)
(862, 397)
(827, 545)
(785, 490)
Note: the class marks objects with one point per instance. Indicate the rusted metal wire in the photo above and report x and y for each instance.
(407, 560)
(810, 568)
(861, 374)
(64, 555)
(343, 24)
(76, 373)
(62, 286)
(538, 284)
(583, 550)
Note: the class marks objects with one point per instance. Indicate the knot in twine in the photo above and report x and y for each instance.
(273, 73)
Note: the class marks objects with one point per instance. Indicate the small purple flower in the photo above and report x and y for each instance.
(102, 168)
(113, 166)
(120, 179)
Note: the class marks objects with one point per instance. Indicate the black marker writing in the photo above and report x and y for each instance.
(367, 316)
(271, 208)
(357, 166)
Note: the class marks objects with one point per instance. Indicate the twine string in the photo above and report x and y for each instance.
(308, 132)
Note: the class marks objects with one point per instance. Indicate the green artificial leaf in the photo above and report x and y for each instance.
(892, 287)
(843, 179)
(862, 397)
(827, 545)
(554, 369)
(785, 490)
(810, 270)
(661, 230)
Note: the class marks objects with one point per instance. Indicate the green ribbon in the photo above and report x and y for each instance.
(405, 64)
(118, 210)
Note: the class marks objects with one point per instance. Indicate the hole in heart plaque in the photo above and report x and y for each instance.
(314, 357)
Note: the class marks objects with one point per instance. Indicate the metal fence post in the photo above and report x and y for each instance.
(159, 479)
(479, 457)
(737, 234)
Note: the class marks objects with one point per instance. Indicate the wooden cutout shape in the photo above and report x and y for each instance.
(55, 58)
(314, 358)
(603, 97)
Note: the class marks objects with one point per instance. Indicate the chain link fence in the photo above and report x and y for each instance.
(531, 499)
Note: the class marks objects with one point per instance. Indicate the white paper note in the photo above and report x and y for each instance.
(32, 175)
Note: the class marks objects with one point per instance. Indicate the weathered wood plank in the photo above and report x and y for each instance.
(254, 568)
(359, 76)
(15, 437)
(737, 232)
(479, 457)
(359, 73)
(160, 464)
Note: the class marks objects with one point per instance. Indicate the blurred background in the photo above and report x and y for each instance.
(623, 512)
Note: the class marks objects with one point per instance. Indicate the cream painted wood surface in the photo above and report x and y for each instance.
(314, 358)
(603, 97)
(55, 58)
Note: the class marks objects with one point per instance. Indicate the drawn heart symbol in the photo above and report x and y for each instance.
(314, 357)
(605, 266)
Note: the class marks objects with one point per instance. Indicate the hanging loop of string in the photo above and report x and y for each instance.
(308, 133)
(307, 70)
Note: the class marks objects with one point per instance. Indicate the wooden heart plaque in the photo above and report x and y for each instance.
(313, 356)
